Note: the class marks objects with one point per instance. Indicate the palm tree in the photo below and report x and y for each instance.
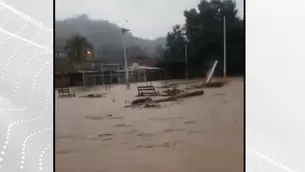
(78, 49)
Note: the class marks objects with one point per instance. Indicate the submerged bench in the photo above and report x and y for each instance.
(146, 90)
(65, 92)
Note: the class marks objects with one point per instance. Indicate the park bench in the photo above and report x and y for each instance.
(65, 92)
(146, 90)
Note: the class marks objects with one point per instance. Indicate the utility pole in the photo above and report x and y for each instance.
(125, 59)
(186, 68)
(92, 68)
(224, 50)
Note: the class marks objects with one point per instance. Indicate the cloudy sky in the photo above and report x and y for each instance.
(145, 18)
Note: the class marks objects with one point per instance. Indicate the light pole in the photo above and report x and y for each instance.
(185, 55)
(186, 70)
(125, 58)
(224, 50)
(92, 68)
(224, 47)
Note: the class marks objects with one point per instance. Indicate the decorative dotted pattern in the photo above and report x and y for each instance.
(25, 16)
(35, 81)
(50, 43)
(7, 38)
(25, 23)
(41, 156)
(4, 99)
(28, 19)
(37, 35)
(32, 90)
(3, 42)
(9, 19)
(7, 137)
(10, 58)
(25, 142)
(258, 162)
(24, 67)
(43, 51)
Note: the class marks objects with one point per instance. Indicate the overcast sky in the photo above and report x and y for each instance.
(145, 18)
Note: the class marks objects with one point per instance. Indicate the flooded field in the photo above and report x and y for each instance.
(202, 133)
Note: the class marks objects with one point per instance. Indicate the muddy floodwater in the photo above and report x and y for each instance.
(196, 134)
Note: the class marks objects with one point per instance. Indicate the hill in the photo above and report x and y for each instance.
(106, 38)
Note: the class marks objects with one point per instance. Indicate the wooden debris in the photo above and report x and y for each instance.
(172, 98)
(93, 96)
(172, 92)
(169, 86)
(208, 85)
(141, 101)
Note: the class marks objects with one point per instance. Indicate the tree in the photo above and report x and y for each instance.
(79, 49)
(159, 50)
(203, 29)
(175, 44)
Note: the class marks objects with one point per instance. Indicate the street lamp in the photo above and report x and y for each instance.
(185, 55)
(124, 30)
(224, 47)
(224, 50)
(89, 55)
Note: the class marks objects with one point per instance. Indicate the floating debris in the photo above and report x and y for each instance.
(94, 117)
(105, 135)
(189, 122)
(122, 125)
(93, 96)
(140, 101)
